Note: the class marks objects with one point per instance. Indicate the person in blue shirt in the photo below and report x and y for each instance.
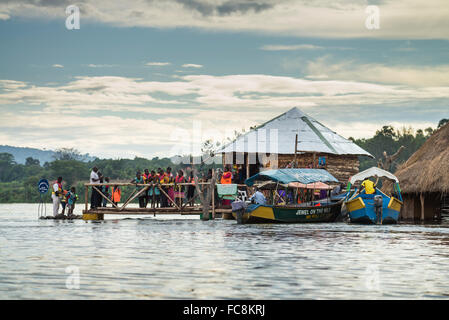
(72, 197)
(258, 197)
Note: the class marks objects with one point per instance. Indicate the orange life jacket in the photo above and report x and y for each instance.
(226, 178)
(116, 194)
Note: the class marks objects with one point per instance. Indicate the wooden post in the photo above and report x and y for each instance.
(247, 165)
(314, 160)
(296, 151)
(212, 186)
(86, 200)
(421, 197)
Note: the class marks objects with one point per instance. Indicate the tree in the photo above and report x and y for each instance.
(442, 122)
(30, 161)
(67, 154)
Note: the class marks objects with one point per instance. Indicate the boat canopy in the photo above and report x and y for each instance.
(373, 172)
(286, 176)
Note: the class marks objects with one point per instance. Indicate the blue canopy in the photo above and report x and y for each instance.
(285, 176)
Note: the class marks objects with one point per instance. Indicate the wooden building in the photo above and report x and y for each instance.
(424, 178)
(297, 140)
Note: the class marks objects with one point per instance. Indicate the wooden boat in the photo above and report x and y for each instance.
(324, 210)
(376, 208)
(256, 213)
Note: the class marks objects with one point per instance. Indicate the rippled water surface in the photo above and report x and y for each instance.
(175, 257)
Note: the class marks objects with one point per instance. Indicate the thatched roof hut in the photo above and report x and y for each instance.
(424, 178)
(427, 170)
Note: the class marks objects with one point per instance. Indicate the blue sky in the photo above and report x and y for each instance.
(136, 79)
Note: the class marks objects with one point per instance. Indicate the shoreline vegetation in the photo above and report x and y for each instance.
(18, 182)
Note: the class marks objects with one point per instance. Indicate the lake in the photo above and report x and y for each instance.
(177, 257)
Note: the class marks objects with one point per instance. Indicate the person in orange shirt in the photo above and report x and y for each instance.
(226, 178)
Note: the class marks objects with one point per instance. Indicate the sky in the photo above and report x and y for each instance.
(155, 78)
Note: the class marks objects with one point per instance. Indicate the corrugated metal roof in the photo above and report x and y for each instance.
(277, 136)
(286, 176)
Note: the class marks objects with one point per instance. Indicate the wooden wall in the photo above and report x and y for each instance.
(341, 167)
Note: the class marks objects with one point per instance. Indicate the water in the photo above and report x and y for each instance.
(175, 257)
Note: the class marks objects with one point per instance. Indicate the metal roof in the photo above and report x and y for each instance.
(373, 172)
(285, 176)
(277, 136)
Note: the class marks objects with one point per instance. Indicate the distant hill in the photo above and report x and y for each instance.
(20, 154)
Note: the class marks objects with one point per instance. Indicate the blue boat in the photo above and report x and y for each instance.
(376, 208)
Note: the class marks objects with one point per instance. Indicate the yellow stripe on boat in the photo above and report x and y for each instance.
(395, 204)
(355, 204)
(263, 212)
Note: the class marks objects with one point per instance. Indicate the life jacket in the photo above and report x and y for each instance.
(191, 180)
(116, 194)
(179, 179)
(65, 196)
(146, 177)
(226, 178)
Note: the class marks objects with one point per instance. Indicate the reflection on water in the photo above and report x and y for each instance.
(175, 257)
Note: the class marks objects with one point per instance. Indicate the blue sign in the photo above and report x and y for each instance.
(43, 186)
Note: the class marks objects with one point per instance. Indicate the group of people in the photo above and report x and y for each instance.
(163, 191)
(64, 198)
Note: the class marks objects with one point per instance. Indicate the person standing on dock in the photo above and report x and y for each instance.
(170, 191)
(163, 179)
(179, 189)
(56, 195)
(146, 179)
(105, 190)
(191, 189)
(154, 192)
(139, 180)
(95, 199)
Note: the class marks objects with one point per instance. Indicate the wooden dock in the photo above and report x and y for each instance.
(207, 209)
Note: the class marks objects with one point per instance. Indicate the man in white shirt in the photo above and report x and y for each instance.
(95, 197)
(56, 195)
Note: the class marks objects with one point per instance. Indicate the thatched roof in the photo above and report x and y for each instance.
(427, 170)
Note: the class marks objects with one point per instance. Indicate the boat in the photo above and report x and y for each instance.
(376, 208)
(283, 211)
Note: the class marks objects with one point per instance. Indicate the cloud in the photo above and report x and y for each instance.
(399, 19)
(291, 47)
(91, 65)
(57, 66)
(157, 64)
(93, 110)
(410, 75)
(192, 65)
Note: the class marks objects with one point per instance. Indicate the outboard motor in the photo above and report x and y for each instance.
(378, 202)
(239, 208)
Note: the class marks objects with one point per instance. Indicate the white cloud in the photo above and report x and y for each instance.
(157, 64)
(91, 65)
(95, 110)
(192, 65)
(411, 75)
(57, 66)
(290, 47)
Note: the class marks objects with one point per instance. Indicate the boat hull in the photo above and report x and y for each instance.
(284, 214)
(362, 210)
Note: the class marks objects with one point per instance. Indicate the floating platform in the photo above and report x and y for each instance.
(98, 213)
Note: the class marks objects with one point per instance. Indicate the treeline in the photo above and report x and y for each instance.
(389, 140)
(18, 182)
